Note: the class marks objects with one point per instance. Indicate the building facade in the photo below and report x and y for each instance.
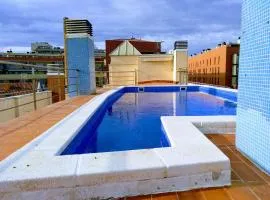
(129, 66)
(29, 58)
(253, 106)
(44, 60)
(99, 59)
(143, 46)
(217, 66)
(42, 54)
(45, 48)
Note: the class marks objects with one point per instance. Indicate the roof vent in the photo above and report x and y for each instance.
(183, 44)
(73, 26)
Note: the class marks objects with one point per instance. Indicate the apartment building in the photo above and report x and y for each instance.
(217, 66)
(41, 59)
(45, 48)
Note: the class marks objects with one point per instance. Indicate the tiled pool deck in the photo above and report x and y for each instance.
(248, 182)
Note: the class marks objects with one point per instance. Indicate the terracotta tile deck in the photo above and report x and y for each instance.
(248, 182)
(15, 133)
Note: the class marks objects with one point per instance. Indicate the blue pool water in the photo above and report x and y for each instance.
(130, 120)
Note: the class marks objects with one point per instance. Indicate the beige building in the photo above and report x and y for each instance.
(128, 66)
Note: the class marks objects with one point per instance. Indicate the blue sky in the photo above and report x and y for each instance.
(204, 23)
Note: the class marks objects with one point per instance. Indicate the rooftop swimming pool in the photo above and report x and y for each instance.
(130, 118)
(111, 146)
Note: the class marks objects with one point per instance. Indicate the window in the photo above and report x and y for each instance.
(235, 65)
(214, 60)
(218, 59)
(234, 82)
(234, 70)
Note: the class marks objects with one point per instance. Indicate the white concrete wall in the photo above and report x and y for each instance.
(122, 70)
(43, 99)
(7, 102)
(149, 68)
(155, 68)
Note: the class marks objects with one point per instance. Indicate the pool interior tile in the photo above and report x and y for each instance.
(248, 181)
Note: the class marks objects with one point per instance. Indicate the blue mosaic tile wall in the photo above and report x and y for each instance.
(253, 110)
(80, 55)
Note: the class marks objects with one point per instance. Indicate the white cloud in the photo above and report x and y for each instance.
(100, 45)
(26, 21)
(197, 41)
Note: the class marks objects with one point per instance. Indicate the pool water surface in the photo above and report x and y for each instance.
(132, 120)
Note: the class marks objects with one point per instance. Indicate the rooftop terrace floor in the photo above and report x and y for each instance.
(248, 182)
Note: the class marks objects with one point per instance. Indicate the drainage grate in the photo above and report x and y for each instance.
(140, 89)
(183, 88)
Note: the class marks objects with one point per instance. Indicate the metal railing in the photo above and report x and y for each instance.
(122, 78)
(34, 81)
(115, 78)
(26, 87)
(182, 76)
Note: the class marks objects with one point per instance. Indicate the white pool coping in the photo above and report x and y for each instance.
(192, 161)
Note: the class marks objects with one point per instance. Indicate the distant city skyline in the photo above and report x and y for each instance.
(202, 23)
